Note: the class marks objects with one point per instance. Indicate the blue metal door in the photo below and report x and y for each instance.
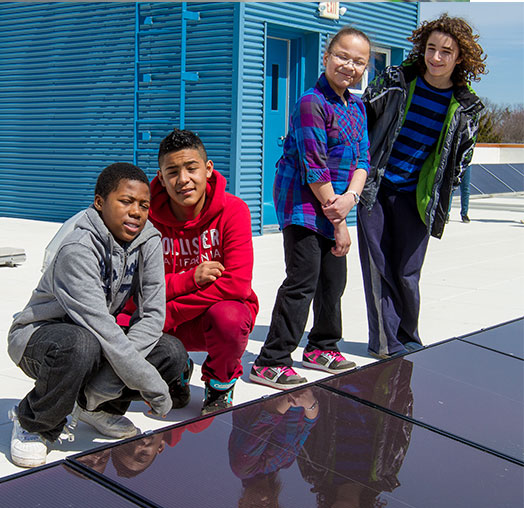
(276, 111)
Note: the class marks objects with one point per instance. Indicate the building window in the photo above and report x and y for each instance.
(274, 87)
(379, 60)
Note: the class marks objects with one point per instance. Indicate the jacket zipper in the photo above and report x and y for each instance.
(120, 278)
(443, 162)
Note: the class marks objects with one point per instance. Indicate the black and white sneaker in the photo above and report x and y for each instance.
(218, 396)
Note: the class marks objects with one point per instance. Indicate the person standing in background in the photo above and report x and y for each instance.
(464, 196)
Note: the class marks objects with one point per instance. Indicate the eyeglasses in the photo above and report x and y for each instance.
(348, 61)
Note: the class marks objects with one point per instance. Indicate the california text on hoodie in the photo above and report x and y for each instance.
(221, 232)
(89, 281)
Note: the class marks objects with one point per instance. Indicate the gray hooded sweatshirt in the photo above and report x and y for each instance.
(89, 280)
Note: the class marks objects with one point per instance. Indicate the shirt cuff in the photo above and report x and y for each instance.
(320, 175)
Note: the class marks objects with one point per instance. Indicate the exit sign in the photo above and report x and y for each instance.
(329, 10)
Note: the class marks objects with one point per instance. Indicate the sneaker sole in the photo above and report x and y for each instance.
(309, 365)
(272, 384)
(384, 356)
(210, 410)
(25, 462)
(115, 435)
(411, 347)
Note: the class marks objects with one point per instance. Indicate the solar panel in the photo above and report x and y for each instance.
(464, 390)
(263, 453)
(59, 486)
(507, 338)
(437, 427)
(496, 178)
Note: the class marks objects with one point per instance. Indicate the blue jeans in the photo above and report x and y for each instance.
(62, 357)
(464, 192)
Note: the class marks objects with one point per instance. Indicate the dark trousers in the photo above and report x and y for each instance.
(312, 274)
(392, 244)
(62, 357)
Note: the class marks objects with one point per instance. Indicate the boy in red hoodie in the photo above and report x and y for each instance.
(208, 261)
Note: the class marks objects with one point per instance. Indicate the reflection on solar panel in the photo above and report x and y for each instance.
(440, 427)
(496, 178)
(453, 392)
(59, 485)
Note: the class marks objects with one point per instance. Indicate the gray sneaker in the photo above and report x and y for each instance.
(106, 423)
(280, 377)
(27, 449)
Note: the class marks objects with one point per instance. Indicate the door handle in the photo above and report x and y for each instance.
(280, 140)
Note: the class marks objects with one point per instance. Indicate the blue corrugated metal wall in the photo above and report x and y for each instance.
(101, 82)
(209, 101)
(83, 85)
(158, 77)
(66, 103)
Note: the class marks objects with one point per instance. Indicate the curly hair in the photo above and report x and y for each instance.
(470, 51)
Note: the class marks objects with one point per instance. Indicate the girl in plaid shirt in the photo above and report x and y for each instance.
(318, 180)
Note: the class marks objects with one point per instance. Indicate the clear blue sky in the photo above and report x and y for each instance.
(501, 29)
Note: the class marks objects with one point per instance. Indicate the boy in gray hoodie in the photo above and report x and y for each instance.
(67, 338)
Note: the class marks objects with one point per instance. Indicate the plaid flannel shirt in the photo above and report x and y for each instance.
(326, 142)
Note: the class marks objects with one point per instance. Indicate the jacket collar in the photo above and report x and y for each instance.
(467, 98)
(409, 70)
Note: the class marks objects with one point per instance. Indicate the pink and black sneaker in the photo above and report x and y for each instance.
(328, 361)
(281, 377)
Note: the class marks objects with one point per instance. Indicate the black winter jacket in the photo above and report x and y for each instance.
(387, 100)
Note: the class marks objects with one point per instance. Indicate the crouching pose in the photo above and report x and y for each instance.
(208, 260)
(67, 338)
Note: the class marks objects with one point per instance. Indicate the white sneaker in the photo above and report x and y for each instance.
(107, 424)
(27, 449)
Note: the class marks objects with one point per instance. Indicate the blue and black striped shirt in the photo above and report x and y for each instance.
(418, 135)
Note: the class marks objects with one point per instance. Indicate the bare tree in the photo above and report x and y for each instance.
(501, 123)
(513, 126)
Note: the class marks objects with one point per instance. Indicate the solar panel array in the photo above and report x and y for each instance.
(440, 427)
(496, 178)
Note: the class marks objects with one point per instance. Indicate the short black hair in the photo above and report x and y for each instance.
(110, 177)
(179, 139)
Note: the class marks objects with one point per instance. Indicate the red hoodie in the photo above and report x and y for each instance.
(221, 232)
